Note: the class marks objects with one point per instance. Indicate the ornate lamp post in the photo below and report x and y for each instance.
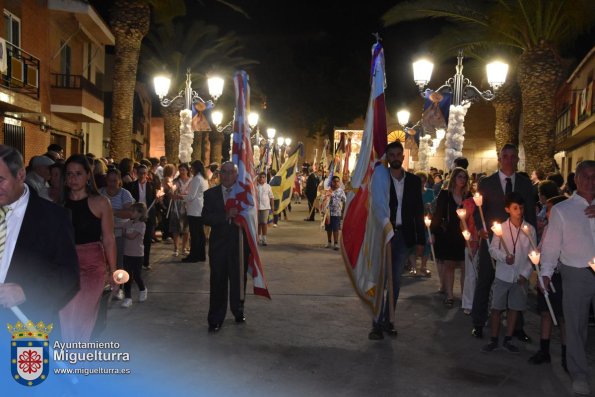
(190, 97)
(463, 94)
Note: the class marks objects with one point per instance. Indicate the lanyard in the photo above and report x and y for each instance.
(514, 241)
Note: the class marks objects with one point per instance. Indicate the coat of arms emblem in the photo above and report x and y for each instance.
(29, 352)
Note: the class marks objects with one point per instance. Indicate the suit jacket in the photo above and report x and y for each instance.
(44, 262)
(493, 199)
(412, 210)
(224, 237)
(132, 187)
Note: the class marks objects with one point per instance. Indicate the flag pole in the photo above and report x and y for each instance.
(241, 256)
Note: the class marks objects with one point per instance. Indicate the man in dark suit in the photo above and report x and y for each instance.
(406, 209)
(493, 188)
(311, 191)
(143, 192)
(39, 269)
(224, 258)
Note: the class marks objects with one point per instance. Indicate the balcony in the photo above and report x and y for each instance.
(75, 98)
(19, 85)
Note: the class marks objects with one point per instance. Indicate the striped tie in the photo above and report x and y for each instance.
(3, 228)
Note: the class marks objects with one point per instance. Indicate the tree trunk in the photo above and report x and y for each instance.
(171, 127)
(197, 146)
(129, 21)
(216, 139)
(507, 104)
(539, 75)
(205, 153)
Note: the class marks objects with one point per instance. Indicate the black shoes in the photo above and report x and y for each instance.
(389, 329)
(376, 334)
(477, 332)
(540, 357)
(214, 328)
(240, 318)
(522, 336)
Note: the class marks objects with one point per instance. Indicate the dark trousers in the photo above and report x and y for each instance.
(485, 278)
(197, 239)
(147, 240)
(225, 275)
(133, 265)
(310, 205)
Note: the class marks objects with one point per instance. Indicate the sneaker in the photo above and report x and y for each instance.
(328, 245)
(274, 225)
(168, 240)
(126, 303)
(176, 253)
(142, 295)
(336, 247)
(509, 347)
(540, 357)
(186, 251)
(490, 347)
(120, 295)
(581, 387)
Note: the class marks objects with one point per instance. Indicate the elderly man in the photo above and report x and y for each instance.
(570, 239)
(224, 255)
(39, 175)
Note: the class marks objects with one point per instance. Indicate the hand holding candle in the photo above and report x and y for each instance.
(428, 222)
(535, 257)
(497, 229)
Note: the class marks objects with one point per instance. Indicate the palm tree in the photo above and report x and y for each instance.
(536, 30)
(179, 46)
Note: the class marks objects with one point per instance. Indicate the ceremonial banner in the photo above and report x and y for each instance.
(243, 194)
(282, 183)
(366, 231)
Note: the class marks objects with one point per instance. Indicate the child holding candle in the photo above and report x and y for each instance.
(543, 354)
(510, 249)
(134, 230)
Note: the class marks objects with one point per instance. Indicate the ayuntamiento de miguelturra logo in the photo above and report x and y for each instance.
(29, 352)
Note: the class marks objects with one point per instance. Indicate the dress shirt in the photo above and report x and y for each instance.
(142, 193)
(521, 250)
(399, 187)
(226, 192)
(14, 220)
(195, 197)
(570, 236)
(503, 177)
(265, 194)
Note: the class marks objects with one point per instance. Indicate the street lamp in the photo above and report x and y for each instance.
(403, 117)
(162, 84)
(461, 88)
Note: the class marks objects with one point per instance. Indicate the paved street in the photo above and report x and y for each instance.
(311, 338)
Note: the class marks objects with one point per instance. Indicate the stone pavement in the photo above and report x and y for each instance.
(311, 338)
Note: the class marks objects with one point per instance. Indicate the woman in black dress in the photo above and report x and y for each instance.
(448, 239)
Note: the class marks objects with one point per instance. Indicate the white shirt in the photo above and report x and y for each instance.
(159, 172)
(14, 220)
(195, 197)
(570, 236)
(265, 194)
(142, 193)
(399, 187)
(503, 177)
(520, 250)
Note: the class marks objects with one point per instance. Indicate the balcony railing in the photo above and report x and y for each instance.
(78, 82)
(22, 74)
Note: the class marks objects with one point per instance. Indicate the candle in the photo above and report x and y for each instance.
(121, 276)
(462, 213)
(478, 199)
(525, 230)
(497, 229)
(427, 221)
(535, 256)
(466, 235)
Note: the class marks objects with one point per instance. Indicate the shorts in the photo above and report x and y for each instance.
(263, 217)
(511, 296)
(555, 297)
(334, 225)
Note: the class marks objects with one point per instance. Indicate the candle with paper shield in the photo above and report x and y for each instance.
(466, 235)
(428, 222)
(497, 229)
(121, 276)
(535, 257)
(462, 213)
(478, 200)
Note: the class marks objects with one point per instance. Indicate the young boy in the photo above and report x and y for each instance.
(513, 268)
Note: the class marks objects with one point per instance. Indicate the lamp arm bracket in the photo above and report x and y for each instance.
(166, 102)
(472, 93)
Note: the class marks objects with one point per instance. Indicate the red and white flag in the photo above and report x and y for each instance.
(243, 194)
(366, 231)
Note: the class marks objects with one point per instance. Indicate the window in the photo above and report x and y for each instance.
(12, 28)
(14, 136)
(65, 62)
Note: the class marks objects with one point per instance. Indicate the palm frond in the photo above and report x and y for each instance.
(455, 10)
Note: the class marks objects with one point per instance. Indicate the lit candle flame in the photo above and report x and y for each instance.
(462, 213)
(427, 221)
(535, 256)
(121, 276)
(466, 235)
(497, 229)
(478, 199)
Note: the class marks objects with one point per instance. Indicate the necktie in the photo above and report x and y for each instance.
(3, 229)
(508, 186)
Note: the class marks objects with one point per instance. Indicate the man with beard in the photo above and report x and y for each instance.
(406, 209)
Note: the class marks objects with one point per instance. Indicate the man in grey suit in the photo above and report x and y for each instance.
(493, 188)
